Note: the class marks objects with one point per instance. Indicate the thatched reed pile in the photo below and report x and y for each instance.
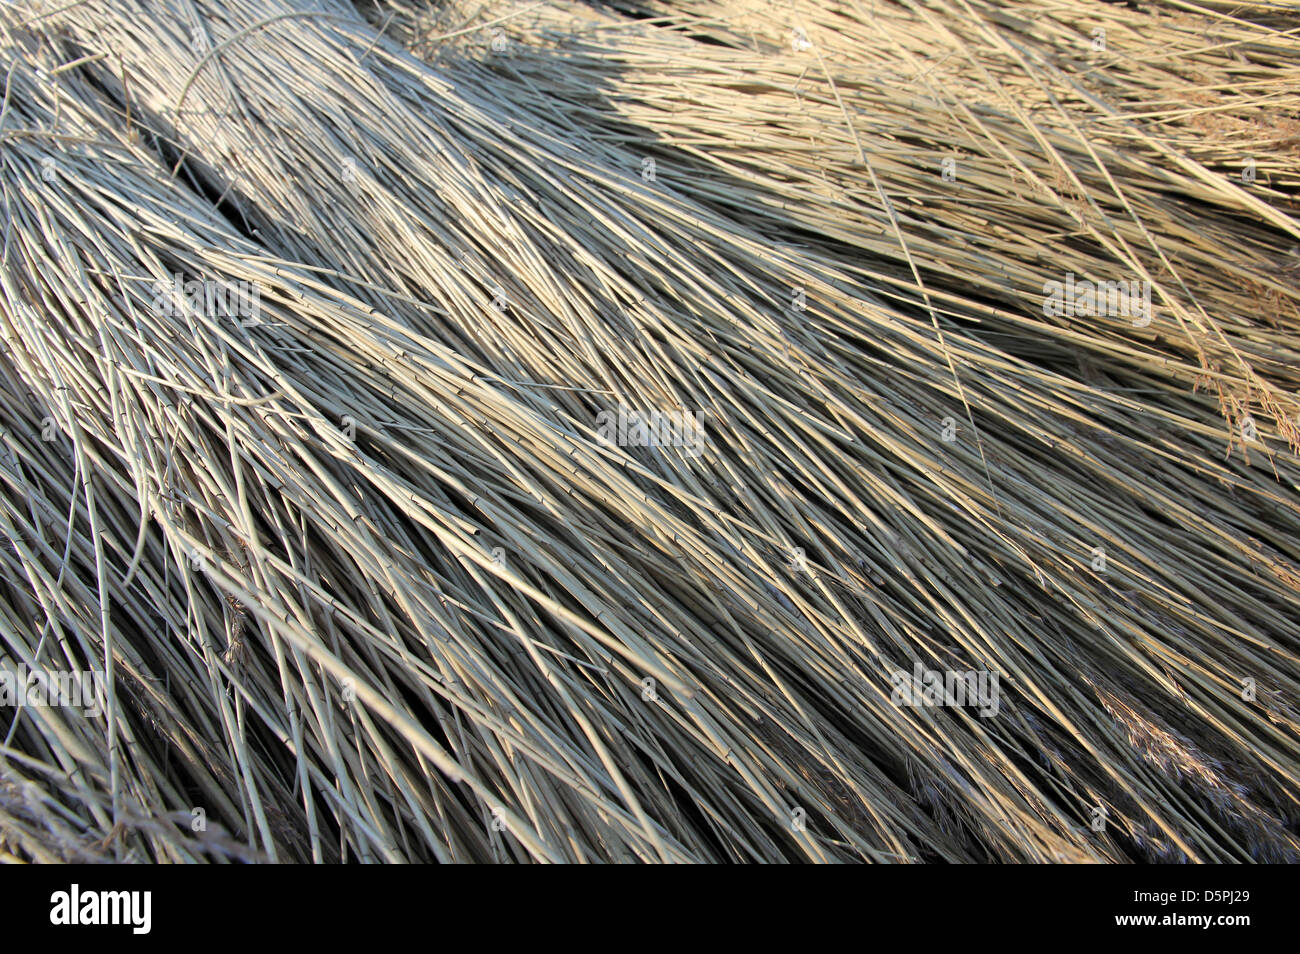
(367, 583)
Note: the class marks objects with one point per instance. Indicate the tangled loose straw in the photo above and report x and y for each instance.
(371, 582)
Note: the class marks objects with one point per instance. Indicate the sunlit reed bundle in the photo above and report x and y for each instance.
(948, 146)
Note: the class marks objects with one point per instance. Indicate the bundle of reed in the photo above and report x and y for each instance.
(368, 580)
(965, 162)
